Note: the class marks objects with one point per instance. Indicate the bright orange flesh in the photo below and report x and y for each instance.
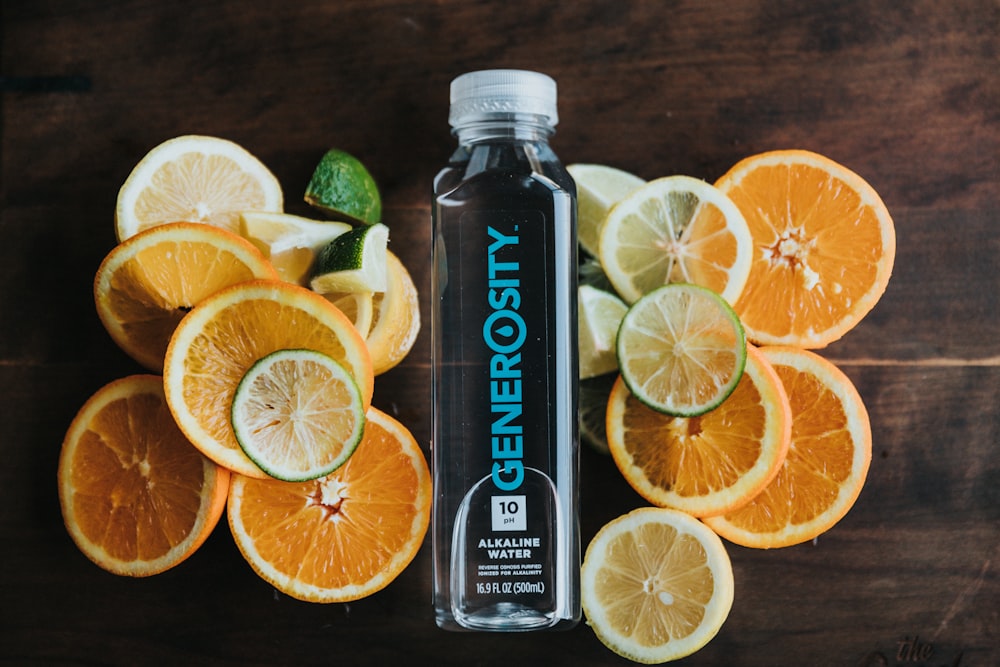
(137, 497)
(146, 284)
(827, 460)
(709, 464)
(222, 337)
(824, 247)
(344, 536)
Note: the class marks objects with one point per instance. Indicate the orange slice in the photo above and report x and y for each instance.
(195, 178)
(656, 585)
(146, 284)
(709, 464)
(223, 336)
(396, 318)
(824, 246)
(136, 497)
(827, 460)
(344, 536)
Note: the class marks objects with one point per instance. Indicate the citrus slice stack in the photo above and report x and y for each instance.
(710, 464)
(146, 284)
(195, 178)
(223, 336)
(598, 189)
(827, 460)
(681, 350)
(676, 229)
(298, 414)
(136, 497)
(656, 585)
(824, 246)
(290, 242)
(344, 536)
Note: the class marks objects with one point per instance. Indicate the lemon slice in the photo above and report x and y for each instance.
(598, 188)
(195, 178)
(353, 262)
(656, 585)
(298, 414)
(358, 306)
(676, 229)
(681, 350)
(599, 315)
(290, 242)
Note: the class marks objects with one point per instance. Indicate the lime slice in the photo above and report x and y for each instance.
(594, 395)
(598, 188)
(599, 313)
(290, 242)
(342, 187)
(298, 414)
(676, 229)
(353, 262)
(681, 350)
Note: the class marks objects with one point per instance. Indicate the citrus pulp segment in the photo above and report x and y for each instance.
(298, 414)
(656, 585)
(599, 314)
(395, 318)
(681, 350)
(224, 335)
(598, 188)
(358, 306)
(136, 497)
(824, 246)
(676, 229)
(827, 461)
(147, 283)
(710, 464)
(344, 536)
(290, 242)
(342, 187)
(194, 178)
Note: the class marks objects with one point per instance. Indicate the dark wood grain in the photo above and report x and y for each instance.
(905, 93)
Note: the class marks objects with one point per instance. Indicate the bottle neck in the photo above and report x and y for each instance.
(520, 128)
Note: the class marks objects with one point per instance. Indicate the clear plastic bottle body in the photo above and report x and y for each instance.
(505, 530)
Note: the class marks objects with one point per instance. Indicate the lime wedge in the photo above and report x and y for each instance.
(598, 189)
(342, 187)
(291, 242)
(353, 262)
(681, 349)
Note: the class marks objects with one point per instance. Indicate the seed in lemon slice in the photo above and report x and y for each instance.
(136, 497)
(195, 178)
(223, 336)
(146, 284)
(342, 187)
(681, 350)
(656, 585)
(396, 317)
(298, 414)
(676, 229)
(353, 262)
(827, 461)
(824, 246)
(344, 536)
(290, 242)
(598, 188)
(710, 464)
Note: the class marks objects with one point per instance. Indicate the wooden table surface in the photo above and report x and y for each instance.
(905, 93)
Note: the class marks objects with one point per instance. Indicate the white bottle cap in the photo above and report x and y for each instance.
(484, 94)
